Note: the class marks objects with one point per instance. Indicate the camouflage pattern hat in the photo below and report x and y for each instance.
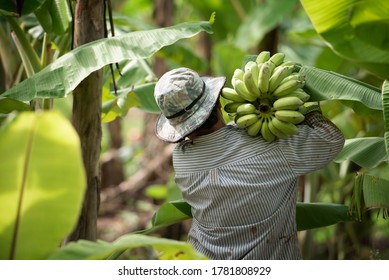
(186, 100)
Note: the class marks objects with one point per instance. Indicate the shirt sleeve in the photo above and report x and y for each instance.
(316, 144)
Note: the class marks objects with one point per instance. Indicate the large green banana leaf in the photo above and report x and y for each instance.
(357, 30)
(367, 152)
(60, 77)
(308, 215)
(167, 249)
(327, 85)
(42, 184)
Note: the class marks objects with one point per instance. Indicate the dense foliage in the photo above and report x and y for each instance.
(339, 44)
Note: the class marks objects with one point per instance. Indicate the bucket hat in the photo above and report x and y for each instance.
(186, 100)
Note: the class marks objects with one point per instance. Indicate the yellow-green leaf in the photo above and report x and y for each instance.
(42, 184)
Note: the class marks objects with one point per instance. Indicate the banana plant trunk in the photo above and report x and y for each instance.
(89, 26)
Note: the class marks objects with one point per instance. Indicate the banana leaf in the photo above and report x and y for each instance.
(316, 215)
(375, 192)
(327, 85)
(166, 249)
(141, 97)
(7, 105)
(42, 184)
(59, 78)
(357, 30)
(367, 152)
(170, 213)
(385, 104)
(370, 192)
(308, 215)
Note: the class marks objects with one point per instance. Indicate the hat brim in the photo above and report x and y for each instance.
(167, 132)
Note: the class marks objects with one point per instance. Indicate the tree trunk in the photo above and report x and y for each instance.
(112, 170)
(89, 26)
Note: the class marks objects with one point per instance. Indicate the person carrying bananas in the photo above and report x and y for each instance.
(242, 189)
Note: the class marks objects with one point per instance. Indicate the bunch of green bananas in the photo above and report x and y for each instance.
(267, 97)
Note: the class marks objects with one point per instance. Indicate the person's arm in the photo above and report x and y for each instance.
(316, 144)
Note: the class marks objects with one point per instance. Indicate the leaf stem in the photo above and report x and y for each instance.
(22, 190)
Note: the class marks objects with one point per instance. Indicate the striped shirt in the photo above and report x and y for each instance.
(242, 190)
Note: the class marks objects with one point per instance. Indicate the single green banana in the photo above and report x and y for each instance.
(286, 127)
(290, 63)
(247, 108)
(264, 77)
(246, 120)
(263, 57)
(254, 69)
(287, 87)
(231, 94)
(241, 89)
(303, 110)
(277, 58)
(299, 93)
(248, 65)
(294, 76)
(231, 107)
(272, 66)
(254, 129)
(278, 133)
(250, 84)
(287, 103)
(265, 131)
(238, 75)
(289, 116)
(278, 75)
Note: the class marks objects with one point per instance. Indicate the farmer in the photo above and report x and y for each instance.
(242, 189)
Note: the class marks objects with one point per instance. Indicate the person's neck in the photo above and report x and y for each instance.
(201, 132)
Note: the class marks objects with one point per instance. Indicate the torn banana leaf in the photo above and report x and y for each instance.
(370, 192)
